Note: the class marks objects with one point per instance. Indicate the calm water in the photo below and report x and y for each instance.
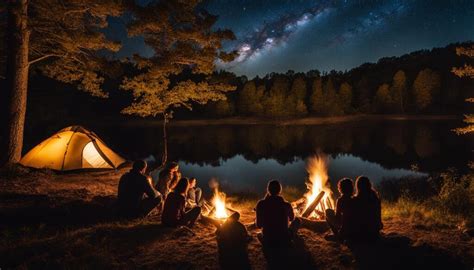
(244, 157)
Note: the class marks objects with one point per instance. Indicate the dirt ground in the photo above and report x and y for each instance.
(50, 220)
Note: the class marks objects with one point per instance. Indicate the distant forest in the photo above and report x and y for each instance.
(417, 83)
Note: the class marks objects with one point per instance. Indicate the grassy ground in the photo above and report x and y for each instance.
(51, 220)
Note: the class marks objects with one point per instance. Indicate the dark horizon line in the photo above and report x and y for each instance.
(457, 43)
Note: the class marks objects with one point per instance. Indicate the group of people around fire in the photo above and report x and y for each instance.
(356, 217)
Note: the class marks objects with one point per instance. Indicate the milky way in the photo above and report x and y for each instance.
(275, 36)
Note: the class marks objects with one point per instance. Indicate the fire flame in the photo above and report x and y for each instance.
(219, 204)
(317, 182)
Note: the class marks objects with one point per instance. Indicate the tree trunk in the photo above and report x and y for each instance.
(164, 156)
(18, 36)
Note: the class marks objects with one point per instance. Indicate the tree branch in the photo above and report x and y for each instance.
(42, 58)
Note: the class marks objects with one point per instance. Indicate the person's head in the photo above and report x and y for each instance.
(234, 217)
(173, 167)
(182, 186)
(192, 182)
(345, 186)
(363, 185)
(274, 188)
(139, 166)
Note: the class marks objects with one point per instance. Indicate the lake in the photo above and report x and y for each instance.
(244, 157)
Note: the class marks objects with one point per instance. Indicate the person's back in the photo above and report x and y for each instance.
(131, 190)
(132, 186)
(173, 209)
(274, 215)
(368, 209)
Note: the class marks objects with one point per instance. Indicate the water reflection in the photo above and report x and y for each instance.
(245, 156)
(238, 174)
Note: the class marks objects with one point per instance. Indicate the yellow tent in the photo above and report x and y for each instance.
(72, 148)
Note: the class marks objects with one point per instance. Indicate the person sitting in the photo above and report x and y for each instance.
(274, 215)
(174, 213)
(132, 186)
(368, 210)
(168, 178)
(232, 239)
(194, 195)
(339, 220)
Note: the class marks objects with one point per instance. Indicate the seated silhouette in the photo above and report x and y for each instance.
(232, 239)
(174, 213)
(368, 210)
(274, 215)
(132, 187)
(341, 221)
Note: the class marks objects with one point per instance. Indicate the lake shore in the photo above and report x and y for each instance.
(63, 220)
(289, 121)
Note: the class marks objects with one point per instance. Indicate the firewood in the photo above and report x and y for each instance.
(313, 205)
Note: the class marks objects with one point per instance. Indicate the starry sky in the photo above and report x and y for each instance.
(279, 35)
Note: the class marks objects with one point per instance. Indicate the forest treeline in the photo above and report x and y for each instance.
(419, 82)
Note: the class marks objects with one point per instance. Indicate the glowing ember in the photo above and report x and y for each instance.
(220, 210)
(317, 182)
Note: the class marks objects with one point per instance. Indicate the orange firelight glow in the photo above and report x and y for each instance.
(218, 201)
(317, 182)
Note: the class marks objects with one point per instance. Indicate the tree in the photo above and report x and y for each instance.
(183, 43)
(249, 99)
(223, 108)
(345, 97)
(398, 91)
(383, 100)
(62, 39)
(331, 104)
(363, 96)
(297, 96)
(317, 97)
(466, 71)
(275, 102)
(426, 88)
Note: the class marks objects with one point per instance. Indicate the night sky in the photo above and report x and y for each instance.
(275, 36)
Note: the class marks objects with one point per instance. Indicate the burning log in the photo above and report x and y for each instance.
(313, 205)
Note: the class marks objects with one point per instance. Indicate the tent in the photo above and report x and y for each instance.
(72, 148)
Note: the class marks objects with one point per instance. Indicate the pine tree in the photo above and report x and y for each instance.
(345, 97)
(248, 99)
(275, 101)
(382, 99)
(297, 96)
(426, 88)
(317, 96)
(398, 91)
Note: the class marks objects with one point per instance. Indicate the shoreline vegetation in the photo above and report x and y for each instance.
(315, 120)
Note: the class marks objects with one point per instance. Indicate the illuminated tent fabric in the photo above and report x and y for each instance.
(72, 148)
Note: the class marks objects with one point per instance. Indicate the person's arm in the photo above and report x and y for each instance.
(173, 181)
(291, 213)
(260, 220)
(149, 190)
(338, 208)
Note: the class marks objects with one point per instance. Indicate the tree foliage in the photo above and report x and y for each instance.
(426, 88)
(317, 97)
(383, 98)
(466, 71)
(398, 91)
(297, 97)
(181, 37)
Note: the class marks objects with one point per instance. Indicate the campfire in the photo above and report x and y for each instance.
(319, 195)
(219, 209)
(218, 201)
